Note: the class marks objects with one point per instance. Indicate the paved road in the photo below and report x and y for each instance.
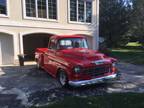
(22, 87)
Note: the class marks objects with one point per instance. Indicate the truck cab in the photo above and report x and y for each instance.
(69, 59)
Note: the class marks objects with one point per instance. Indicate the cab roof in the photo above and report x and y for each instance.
(67, 36)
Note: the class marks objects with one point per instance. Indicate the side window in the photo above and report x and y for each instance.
(52, 44)
(3, 7)
(81, 11)
(46, 9)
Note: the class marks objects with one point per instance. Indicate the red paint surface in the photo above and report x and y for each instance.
(53, 60)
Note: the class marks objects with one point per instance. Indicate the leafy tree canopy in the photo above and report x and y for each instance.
(114, 21)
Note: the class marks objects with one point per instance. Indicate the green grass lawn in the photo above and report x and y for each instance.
(131, 53)
(126, 100)
(134, 44)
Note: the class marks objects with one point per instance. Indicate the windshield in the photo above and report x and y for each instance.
(68, 43)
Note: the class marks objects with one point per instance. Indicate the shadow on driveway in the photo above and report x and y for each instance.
(22, 87)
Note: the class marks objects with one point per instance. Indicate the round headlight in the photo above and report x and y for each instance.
(77, 69)
(114, 64)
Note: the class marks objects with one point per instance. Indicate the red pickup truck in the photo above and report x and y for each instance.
(68, 59)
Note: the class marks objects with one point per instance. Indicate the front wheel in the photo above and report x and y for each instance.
(62, 78)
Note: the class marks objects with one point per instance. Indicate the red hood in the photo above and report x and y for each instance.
(82, 54)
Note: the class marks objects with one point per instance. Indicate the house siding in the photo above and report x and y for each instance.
(18, 25)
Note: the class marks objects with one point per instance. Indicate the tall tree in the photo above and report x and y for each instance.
(137, 28)
(114, 21)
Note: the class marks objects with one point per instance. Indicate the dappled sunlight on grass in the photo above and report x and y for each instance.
(127, 50)
(132, 53)
(134, 44)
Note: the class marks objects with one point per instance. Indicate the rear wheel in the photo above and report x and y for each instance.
(38, 64)
(62, 78)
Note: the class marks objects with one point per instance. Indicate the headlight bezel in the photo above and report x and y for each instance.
(114, 64)
(77, 69)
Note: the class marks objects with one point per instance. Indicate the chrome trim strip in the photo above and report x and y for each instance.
(92, 81)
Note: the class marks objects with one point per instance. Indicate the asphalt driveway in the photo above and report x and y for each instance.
(22, 87)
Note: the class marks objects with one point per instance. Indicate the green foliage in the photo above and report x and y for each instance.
(114, 21)
(137, 20)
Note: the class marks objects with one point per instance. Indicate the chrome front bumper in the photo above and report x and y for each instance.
(92, 81)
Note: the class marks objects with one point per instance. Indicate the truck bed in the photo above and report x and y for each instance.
(41, 50)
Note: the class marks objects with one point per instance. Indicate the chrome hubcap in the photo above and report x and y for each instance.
(63, 78)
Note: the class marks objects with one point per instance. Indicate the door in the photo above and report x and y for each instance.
(49, 57)
(6, 49)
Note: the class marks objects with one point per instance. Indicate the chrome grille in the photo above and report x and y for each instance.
(97, 71)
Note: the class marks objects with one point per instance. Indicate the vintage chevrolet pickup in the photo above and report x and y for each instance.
(69, 59)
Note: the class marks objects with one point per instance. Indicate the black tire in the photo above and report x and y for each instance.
(63, 78)
(38, 64)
